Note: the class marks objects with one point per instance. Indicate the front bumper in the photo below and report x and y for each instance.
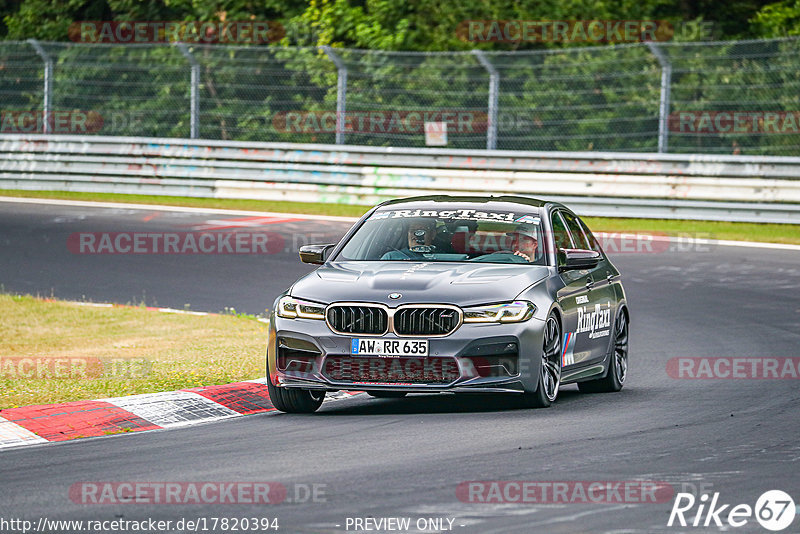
(475, 358)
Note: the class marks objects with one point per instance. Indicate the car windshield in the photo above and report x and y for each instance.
(458, 234)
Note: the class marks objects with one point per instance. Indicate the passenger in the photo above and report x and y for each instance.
(524, 245)
(524, 241)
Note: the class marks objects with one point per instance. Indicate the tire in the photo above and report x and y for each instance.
(618, 366)
(387, 394)
(292, 400)
(550, 372)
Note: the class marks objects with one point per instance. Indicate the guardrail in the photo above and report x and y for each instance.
(727, 188)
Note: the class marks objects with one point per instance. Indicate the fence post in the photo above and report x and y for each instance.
(494, 91)
(48, 83)
(194, 98)
(341, 91)
(663, 105)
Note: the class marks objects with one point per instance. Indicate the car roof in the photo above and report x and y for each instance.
(499, 202)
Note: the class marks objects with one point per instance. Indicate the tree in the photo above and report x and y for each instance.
(780, 19)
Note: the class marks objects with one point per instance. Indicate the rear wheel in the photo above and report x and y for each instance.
(387, 394)
(293, 400)
(618, 366)
(550, 371)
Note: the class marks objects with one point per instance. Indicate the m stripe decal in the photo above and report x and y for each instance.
(569, 345)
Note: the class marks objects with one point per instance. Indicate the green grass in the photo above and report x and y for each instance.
(768, 233)
(118, 351)
(771, 233)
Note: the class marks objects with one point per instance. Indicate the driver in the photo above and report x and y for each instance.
(524, 241)
(420, 234)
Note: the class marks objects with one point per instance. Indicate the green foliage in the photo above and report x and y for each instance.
(49, 20)
(552, 96)
(780, 19)
(423, 25)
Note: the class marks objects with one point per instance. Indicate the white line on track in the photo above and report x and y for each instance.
(181, 209)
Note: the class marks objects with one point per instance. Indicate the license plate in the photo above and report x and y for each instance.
(389, 347)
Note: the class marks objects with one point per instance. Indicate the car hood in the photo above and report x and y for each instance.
(417, 282)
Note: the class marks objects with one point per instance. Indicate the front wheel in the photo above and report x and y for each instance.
(618, 366)
(292, 400)
(550, 369)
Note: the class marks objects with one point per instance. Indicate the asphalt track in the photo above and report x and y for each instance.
(406, 457)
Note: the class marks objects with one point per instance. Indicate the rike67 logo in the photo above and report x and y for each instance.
(774, 510)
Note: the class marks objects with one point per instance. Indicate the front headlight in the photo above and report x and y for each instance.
(292, 308)
(507, 312)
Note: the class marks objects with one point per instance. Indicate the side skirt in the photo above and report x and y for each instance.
(597, 370)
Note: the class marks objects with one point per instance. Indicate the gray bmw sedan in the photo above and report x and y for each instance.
(494, 295)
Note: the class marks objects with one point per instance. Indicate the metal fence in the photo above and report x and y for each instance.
(609, 98)
(669, 186)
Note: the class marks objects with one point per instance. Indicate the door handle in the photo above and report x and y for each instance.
(589, 283)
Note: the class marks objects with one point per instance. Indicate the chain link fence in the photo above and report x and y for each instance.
(738, 97)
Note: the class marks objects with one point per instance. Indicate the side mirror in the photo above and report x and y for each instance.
(315, 254)
(570, 259)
